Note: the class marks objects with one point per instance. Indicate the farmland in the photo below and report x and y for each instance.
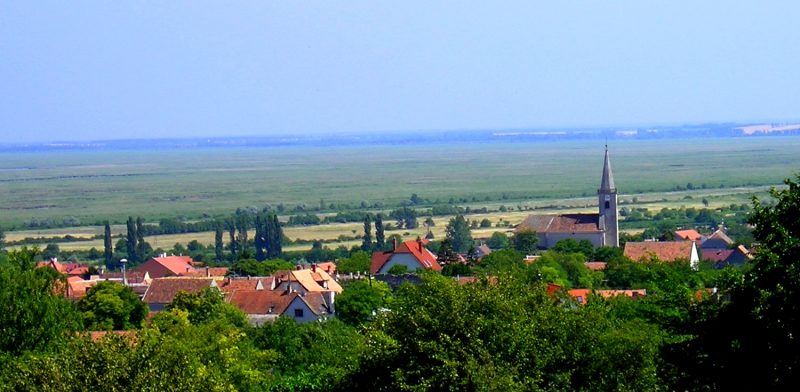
(90, 186)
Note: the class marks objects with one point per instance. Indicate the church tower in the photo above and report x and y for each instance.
(607, 202)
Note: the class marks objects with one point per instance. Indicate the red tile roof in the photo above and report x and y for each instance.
(720, 235)
(262, 301)
(664, 250)
(163, 290)
(415, 248)
(566, 223)
(717, 254)
(595, 265)
(688, 235)
(582, 295)
(210, 271)
(328, 267)
(178, 265)
(232, 285)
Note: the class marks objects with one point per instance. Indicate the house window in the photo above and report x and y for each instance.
(298, 313)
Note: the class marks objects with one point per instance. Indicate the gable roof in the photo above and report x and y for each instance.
(310, 280)
(720, 235)
(717, 254)
(249, 284)
(415, 248)
(688, 235)
(164, 290)
(206, 272)
(566, 223)
(262, 301)
(663, 250)
(178, 265)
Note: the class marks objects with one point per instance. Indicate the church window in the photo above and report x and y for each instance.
(608, 205)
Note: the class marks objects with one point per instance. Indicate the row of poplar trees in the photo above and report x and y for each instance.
(267, 240)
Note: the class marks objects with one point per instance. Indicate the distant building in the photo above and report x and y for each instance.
(163, 290)
(601, 229)
(164, 266)
(413, 254)
(722, 257)
(717, 240)
(688, 235)
(263, 306)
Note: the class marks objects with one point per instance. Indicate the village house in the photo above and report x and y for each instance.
(306, 281)
(600, 229)
(717, 240)
(263, 305)
(663, 250)
(164, 266)
(163, 290)
(688, 235)
(413, 254)
(722, 257)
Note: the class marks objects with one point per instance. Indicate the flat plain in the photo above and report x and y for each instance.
(193, 183)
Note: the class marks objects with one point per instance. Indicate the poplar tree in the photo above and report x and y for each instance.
(141, 246)
(259, 239)
(367, 244)
(108, 245)
(232, 233)
(380, 237)
(132, 239)
(218, 245)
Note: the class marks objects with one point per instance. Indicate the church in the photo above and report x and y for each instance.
(601, 229)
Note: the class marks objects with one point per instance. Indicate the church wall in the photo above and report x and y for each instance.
(549, 240)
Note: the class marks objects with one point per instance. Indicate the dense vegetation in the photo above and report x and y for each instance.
(504, 332)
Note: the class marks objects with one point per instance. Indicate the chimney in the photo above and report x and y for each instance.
(208, 272)
(313, 267)
(298, 267)
(394, 244)
(329, 296)
(419, 243)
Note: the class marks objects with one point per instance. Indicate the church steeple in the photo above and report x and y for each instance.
(607, 182)
(607, 206)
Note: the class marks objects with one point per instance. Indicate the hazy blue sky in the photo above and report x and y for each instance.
(112, 69)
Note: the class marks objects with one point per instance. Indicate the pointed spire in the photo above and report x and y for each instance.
(607, 182)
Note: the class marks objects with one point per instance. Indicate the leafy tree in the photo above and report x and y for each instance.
(34, 316)
(446, 254)
(51, 251)
(525, 241)
(250, 267)
(405, 217)
(486, 223)
(366, 245)
(2, 239)
(570, 245)
(361, 300)
(457, 231)
(112, 306)
(108, 249)
(380, 237)
(358, 262)
(398, 269)
(498, 240)
(142, 247)
(456, 269)
(206, 306)
(260, 240)
(234, 245)
(503, 261)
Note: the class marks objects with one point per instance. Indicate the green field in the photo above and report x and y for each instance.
(92, 186)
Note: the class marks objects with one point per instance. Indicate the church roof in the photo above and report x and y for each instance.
(607, 182)
(567, 223)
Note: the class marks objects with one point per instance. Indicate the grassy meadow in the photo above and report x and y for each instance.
(191, 183)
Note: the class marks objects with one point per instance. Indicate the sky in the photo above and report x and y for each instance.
(93, 70)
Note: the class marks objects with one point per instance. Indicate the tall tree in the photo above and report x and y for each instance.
(241, 227)
(231, 225)
(108, 245)
(274, 235)
(259, 240)
(2, 239)
(525, 241)
(218, 245)
(366, 245)
(380, 236)
(132, 240)
(458, 233)
(141, 246)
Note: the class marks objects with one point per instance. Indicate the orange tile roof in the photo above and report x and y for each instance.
(413, 247)
(565, 223)
(163, 290)
(328, 267)
(178, 265)
(232, 285)
(688, 235)
(595, 265)
(203, 271)
(262, 301)
(664, 250)
(582, 295)
(310, 280)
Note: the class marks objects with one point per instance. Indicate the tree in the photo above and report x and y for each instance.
(35, 316)
(446, 254)
(366, 245)
(2, 239)
(207, 305)
(112, 306)
(260, 241)
(457, 231)
(570, 245)
(51, 251)
(132, 240)
(380, 239)
(498, 240)
(398, 269)
(141, 245)
(273, 235)
(525, 241)
(241, 223)
(234, 245)
(108, 247)
(218, 245)
(362, 300)
(486, 223)
(358, 262)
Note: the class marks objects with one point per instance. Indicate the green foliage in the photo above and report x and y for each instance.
(33, 314)
(366, 245)
(206, 306)
(498, 240)
(112, 306)
(251, 267)
(525, 241)
(361, 300)
(506, 260)
(456, 269)
(570, 245)
(457, 231)
(398, 269)
(358, 262)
